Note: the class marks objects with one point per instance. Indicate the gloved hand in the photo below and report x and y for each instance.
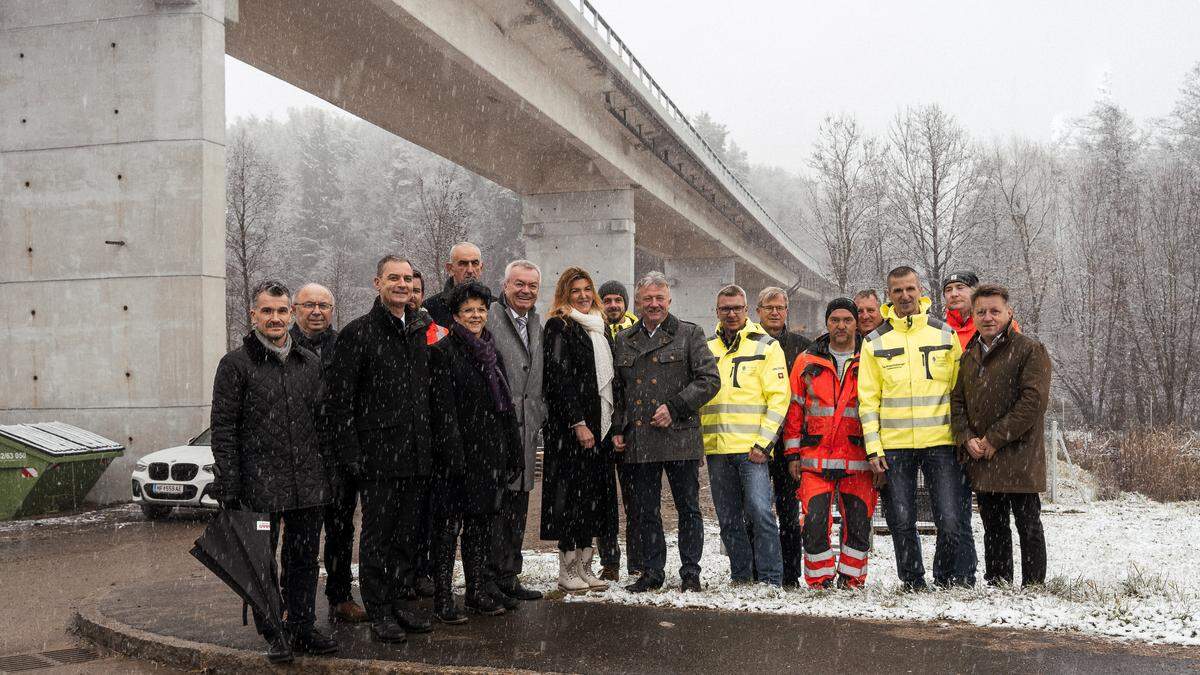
(834, 474)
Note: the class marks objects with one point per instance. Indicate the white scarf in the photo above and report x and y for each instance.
(593, 324)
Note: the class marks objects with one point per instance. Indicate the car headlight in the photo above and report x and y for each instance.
(142, 466)
(208, 468)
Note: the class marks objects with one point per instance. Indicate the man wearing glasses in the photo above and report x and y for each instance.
(772, 316)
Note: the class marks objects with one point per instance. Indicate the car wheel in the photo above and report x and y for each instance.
(156, 511)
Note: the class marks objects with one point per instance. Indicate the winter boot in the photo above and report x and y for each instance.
(475, 542)
(568, 573)
(583, 569)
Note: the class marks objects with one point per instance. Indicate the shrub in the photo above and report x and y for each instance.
(1161, 464)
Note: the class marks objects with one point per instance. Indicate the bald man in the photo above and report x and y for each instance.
(313, 329)
(466, 264)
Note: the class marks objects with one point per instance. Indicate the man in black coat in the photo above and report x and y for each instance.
(772, 316)
(268, 457)
(466, 264)
(377, 402)
(313, 330)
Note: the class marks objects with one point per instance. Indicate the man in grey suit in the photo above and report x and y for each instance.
(517, 330)
(664, 373)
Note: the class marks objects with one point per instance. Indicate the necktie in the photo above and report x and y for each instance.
(523, 330)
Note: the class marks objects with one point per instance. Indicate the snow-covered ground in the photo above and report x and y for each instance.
(1125, 569)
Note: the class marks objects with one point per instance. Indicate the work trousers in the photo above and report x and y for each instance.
(684, 478)
(298, 567)
(339, 540)
(387, 551)
(1026, 510)
(856, 504)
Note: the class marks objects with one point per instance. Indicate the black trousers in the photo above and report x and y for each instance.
(506, 534)
(339, 540)
(610, 549)
(387, 550)
(787, 510)
(1026, 510)
(684, 479)
(298, 565)
(423, 564)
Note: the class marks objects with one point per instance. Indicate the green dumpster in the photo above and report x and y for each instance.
(49, 466)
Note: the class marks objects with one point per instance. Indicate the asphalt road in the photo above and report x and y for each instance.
(47, 569)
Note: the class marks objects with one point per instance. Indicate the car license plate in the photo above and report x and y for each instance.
(168, 489)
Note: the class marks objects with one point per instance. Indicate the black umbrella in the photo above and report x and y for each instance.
(236, 546)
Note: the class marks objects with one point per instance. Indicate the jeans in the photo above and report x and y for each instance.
(741, 491)
(968, 558)
(1026, 509)
(684, 478)
(944, 477)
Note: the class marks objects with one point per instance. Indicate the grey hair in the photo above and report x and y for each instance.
(867, 293)
(272, 287)
(655, 279)
(732, 291)
(770, 292)
(521, 264)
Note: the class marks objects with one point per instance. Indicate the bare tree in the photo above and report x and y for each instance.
(441, 222)
(253, 190)
(846, 195)
(1026, 189)
(935, 180)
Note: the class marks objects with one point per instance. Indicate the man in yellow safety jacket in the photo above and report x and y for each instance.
(739, 426)
(908, 367)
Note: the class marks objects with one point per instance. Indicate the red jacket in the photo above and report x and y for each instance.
(822, 425)
(435, 333)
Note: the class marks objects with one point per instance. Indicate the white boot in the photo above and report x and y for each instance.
(584, 569)
(568, 577)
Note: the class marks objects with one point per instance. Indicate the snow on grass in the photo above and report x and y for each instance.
(1126, 569)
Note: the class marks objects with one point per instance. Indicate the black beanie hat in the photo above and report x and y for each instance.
(969, 278)
(615, 287)
(841, 303)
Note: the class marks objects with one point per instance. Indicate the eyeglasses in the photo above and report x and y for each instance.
(773, 308)
(731, 309)
(310, 306)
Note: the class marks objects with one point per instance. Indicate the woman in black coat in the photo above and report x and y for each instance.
(579, 498)
(474, 423)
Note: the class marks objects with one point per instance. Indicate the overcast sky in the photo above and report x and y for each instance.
(772, 70)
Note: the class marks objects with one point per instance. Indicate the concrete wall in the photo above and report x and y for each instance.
(112, 130)
(694, 286)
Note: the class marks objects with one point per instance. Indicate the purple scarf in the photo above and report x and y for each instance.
(483, 351)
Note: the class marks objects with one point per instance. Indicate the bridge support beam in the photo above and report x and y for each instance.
(112, 261)
(593, 230)
(694, 286)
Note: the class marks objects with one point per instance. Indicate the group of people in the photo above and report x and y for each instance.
(428, 411)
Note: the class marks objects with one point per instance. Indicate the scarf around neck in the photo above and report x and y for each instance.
(279, 352)
(593, 325)
(482, 350)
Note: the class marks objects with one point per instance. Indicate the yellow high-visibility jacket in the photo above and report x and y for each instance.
(626, 321)
(754, 397)
(906, 372)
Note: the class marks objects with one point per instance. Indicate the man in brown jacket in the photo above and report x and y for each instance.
(997, 412)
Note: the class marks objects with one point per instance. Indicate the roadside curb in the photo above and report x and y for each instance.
(90, 623)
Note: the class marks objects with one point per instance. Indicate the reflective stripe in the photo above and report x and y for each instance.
(914, 401)
(820, 411)
(723, 428)
(735, 408)
(819, 464)
(818, 557)
(791, 443)
(871, 437)
(850, 412)
(846, 550)
(850, 570)
(914, 422)
(858, 465)
(775, 417)
(809, 462)
(868, 417)
(797, 399)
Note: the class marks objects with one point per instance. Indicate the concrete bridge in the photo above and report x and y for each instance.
(112, 175)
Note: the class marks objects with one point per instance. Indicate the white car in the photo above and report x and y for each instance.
(178, 476)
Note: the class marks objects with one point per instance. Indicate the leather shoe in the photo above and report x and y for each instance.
(279, 650)
(385, 629)
(483, 604)
(503, 599)
(690, 584)
(311, 641)
(424, 587)
(411, 622)
(347, 612)
(516, 590)
(643, 584)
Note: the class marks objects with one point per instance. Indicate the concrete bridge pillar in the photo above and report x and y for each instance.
(112, 261)
(593, 230)
(694, 286)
